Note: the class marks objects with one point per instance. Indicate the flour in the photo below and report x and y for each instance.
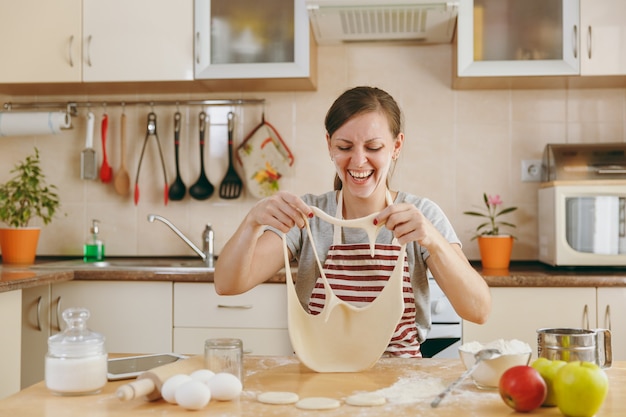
(506, 347)
(412, 389)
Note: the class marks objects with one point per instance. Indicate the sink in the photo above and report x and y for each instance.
(166, 265)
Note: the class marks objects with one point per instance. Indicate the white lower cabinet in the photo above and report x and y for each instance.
(133, 316)
(612, 316)
(517, 313)
(10, 348)
(257, 317)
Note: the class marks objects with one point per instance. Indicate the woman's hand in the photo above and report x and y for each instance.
(408, 224)
(282, 210)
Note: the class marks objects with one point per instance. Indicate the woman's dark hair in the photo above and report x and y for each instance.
(360, 100)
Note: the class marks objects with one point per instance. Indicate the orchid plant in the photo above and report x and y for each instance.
(493, 211)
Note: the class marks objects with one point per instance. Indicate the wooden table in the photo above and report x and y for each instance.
(409, 385)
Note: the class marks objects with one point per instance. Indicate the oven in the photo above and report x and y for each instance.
(445, 334)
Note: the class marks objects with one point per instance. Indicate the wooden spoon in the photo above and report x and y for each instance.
(122, 179)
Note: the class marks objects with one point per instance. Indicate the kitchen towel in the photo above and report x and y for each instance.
(33, 123)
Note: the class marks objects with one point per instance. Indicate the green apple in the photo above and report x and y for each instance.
(547, 369)
(580, 388)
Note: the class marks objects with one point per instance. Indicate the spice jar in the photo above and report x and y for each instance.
(76, 362)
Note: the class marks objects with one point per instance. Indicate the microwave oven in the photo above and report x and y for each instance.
(582, 225)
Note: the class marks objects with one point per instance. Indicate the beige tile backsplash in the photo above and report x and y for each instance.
(459, 144)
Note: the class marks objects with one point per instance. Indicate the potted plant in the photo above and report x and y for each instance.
(23, 197)
(495, 247)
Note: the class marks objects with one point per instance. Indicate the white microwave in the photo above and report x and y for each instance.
(582, 224)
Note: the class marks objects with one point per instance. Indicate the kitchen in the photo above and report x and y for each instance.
(450, 133)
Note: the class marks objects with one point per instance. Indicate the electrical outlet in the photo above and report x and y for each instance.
(531, 170)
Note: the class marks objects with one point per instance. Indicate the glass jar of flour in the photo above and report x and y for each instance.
(76, 362)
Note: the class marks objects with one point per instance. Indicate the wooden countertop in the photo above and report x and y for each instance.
(521, 274)
(408, 384)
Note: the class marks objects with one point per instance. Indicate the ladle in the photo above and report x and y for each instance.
(202, 189)
(177, 189)
(481, 355)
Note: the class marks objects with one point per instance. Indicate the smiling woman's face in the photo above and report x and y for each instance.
(362, 150)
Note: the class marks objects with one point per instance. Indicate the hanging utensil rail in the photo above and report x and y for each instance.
(72, 106)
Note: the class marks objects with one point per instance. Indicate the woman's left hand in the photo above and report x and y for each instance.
(408, 224)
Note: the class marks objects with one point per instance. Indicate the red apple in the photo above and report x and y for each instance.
(522, 388)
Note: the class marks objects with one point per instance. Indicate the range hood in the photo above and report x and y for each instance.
(428, 21)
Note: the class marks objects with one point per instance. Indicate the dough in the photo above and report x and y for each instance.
(343, 337)
(366, 399)
(278, 397)
(318, 403)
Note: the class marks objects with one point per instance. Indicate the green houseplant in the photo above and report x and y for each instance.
(24, 197)
(495, 247)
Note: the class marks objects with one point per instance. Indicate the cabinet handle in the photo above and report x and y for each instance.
(607, 317)
(89, 50)
(39, 313)
(575, 41)
(58, 313)
(236, 307)
(70, 51)
(589, 42)
(586, 317)
(197, 47)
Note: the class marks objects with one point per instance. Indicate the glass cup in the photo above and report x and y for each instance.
(224, 355)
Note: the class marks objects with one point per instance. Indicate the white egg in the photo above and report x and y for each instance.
(193, 395)
(170, 385)
(225, 386)
(202, 375)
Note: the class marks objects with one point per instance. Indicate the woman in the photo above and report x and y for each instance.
(364, 139)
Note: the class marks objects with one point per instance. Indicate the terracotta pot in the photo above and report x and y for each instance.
(495, 251)
(19, 245)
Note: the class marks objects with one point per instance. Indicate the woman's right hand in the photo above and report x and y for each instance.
(282, 211)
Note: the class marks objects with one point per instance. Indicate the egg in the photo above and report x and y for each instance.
(202, 375)
(170, 385)
(193, 395)
(225, 386)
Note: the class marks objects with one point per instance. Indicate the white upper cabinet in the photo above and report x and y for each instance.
(603, 37)
(40, 41)
(137, 40)
(96, 41)
(518, 38)
(251, 39)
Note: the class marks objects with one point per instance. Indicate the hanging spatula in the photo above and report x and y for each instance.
(231, 185)
(88, 168)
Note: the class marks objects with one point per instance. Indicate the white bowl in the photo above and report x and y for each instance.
(487, 374)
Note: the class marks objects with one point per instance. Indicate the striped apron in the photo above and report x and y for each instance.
(358, 278)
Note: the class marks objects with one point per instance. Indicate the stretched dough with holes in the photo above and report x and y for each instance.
(366, 399)
(343, 337)
(278, 397)
(318, 403)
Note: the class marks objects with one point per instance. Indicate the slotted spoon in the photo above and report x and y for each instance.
(231, 185)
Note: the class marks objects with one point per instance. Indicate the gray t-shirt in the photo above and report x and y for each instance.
(300, 246)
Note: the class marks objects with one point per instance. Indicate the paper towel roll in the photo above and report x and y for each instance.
(33, 123)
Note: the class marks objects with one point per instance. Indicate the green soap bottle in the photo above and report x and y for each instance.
(93, 249)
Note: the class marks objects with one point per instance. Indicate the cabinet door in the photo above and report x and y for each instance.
(10, 328)
(40, 41)
(133, 316)
(272, 342)
(603, 37)
(612, 316)
(35, 332)
(518, 312)
(243, 39)
(138, 40)
(517, 38)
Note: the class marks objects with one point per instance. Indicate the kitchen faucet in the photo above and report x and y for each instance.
(208, 239)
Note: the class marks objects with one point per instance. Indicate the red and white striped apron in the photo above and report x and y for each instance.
(358, 278)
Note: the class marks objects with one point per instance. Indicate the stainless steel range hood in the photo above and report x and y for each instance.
(428, 21)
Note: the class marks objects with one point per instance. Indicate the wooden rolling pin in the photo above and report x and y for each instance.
(150, 382)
